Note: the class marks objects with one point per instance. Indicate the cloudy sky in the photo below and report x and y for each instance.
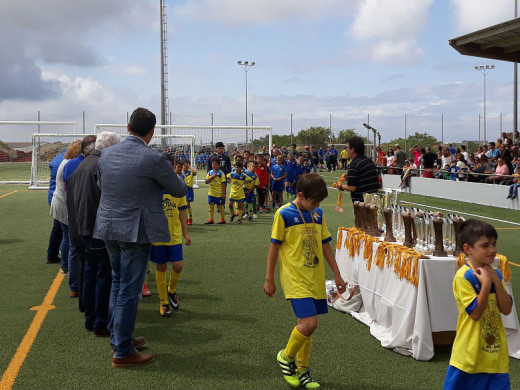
(319, 60)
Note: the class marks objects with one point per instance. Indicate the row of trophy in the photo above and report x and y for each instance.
(427, 232)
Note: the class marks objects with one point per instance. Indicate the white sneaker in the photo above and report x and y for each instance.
(245, 215)
(255, 216)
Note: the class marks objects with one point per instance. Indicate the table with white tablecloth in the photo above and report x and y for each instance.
(403, 316)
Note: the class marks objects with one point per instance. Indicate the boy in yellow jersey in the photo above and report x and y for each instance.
(189, 174)
(164, 252)
(479, 357)
(217, 191)
(301, 238)
(249, 189)
(236, 194)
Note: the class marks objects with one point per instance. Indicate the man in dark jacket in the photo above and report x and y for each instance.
(83, 196)
(225, 162)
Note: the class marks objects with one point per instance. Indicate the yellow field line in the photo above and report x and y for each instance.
(10, 193)
(516, 265)
(25, 346)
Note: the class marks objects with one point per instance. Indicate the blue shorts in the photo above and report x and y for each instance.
(237, 200)
(459, 380)
(190, 196)
(251, 197)
(163, 253)
(277, 186)
(309, 307)
(291, 180)
(215, 200)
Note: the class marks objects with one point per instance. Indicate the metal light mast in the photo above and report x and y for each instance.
(164, 67)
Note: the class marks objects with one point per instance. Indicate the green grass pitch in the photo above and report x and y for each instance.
(226, 333)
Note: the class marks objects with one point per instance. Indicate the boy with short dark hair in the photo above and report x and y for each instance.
(216, 192)
(278, 175)
(249, 188)
(164, 252)
(301, 238)
(236, 195)
(479, 357)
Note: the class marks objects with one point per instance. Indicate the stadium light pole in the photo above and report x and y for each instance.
(485, 69)
(246, 65)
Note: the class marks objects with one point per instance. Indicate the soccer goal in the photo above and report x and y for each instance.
(47, 146)
(16, 146)
(207, 136)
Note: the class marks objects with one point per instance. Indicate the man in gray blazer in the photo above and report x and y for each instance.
(130, 217)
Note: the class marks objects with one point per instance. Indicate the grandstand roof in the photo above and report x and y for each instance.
(498, 42)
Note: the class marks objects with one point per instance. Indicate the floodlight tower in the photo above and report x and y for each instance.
(164, 67)
(246, 65)
(485, 70)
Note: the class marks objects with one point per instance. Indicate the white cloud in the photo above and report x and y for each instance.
(388, 29)
(402, 51)
(262, 12)
(477, 14)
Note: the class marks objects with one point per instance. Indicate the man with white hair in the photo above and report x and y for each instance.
(83, 196)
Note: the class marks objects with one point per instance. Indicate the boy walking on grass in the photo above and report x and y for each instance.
(301, 238)
(479, 357)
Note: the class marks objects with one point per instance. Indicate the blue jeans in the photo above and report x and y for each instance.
(513, 189)
(97, 280)
(129, 262)
(72, 259)
(54, 241)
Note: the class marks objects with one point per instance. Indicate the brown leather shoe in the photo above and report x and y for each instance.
(137, 359)
(102, 333)
(74, 294)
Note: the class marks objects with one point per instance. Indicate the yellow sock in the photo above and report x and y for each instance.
(295, 343)
(147, 273)
(160, 279)
(222, 210)
(211, 211)
(303, 355)
(189, 212)
(174, 280)
(240, 213)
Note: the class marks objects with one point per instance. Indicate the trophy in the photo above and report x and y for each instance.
(439, 251)
(389, 234)
(457, 222)
(373, 225)
(407, 219)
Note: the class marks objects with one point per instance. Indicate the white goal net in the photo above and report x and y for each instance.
(47, 146)
(16, 146)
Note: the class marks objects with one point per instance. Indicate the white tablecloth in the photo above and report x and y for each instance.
(403, 316)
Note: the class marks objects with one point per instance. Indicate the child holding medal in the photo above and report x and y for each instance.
(301, 238)
(479, 357)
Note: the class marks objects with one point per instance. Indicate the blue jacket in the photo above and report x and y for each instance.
(53, 166)
(132, 178)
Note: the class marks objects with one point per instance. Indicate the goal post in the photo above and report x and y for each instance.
(16, 146)
(47, 146)
(208, 136)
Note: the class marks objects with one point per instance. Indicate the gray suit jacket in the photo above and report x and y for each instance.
(132, 178)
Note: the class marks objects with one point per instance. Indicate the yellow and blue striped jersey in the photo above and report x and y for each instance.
(251, 180)
(189, 178)
(302, 272)
(237, 185)
(171, 207)
(215, 186)
(479, 346)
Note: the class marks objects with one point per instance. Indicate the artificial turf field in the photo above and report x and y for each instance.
(226, 333)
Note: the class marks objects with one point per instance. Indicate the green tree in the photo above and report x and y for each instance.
(345, 135)
(316, 136)
(420, 139)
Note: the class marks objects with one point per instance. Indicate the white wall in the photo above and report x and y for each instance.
(479, 193)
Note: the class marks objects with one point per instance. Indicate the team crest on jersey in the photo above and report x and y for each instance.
(316, 216)
(296, 220)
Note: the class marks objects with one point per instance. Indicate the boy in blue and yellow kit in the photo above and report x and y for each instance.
(236, 194)
(249, 189)
(189, 174)
(479, 357)
(301, 238)
(216, 192)
(164, 252)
